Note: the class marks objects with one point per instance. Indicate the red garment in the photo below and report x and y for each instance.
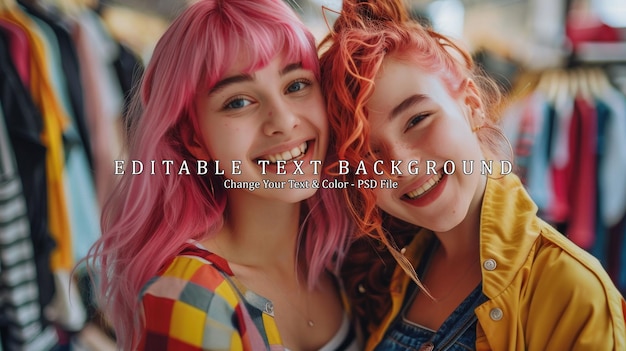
(19, 49)
(580, 29)
(561, 176)
(525, 140)
(583, 184)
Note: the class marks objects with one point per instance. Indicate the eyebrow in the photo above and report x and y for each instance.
(407, 103)
(290, 67)
(231, 80)
(245, 77)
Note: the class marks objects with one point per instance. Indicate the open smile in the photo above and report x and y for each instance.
(288, 155)
(424, 188)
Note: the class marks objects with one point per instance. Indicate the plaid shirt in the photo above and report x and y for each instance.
(196, 304)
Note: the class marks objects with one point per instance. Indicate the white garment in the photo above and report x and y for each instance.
(340, 337)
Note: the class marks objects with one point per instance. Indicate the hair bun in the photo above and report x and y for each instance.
(364, 13)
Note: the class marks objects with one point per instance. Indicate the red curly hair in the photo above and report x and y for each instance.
(365, 33)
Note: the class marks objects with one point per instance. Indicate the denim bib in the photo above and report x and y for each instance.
(457, 333)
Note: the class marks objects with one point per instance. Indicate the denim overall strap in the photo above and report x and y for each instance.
(456, 333)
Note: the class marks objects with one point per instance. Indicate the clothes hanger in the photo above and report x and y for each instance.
(601, 80)
(558, 82)
(592, 81)
(572, 83)
(542, 82)
(548, 84)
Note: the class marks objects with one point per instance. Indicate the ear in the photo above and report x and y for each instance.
(472, 103)
(193, 143)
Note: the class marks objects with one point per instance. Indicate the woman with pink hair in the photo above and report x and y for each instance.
(217, 237)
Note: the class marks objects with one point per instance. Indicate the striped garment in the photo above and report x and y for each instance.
(21, 320)
(196, 304)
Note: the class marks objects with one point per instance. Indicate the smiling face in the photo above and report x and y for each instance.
(274, 113)
(414, 117)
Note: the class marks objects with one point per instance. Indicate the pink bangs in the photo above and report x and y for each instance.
(239, 38)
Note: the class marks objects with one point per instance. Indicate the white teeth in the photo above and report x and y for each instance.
(287, 155)
(425, 187)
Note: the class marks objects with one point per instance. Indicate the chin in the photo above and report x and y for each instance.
(445, 227)
(450, 221)
(295, 195)
(440, 223)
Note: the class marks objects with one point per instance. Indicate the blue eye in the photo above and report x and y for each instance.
(297, 86)
(237, 103)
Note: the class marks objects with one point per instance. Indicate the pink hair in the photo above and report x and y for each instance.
(149, 217)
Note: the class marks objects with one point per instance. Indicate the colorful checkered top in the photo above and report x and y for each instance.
(195, 304)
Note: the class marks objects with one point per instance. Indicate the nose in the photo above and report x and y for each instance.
(395, 150)
(401, 155)
(280, 117)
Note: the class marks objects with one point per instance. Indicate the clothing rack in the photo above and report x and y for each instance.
(568, 129)
(61, 100)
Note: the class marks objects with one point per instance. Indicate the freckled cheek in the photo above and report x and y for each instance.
(435, 141)
(318, 117)
(404, 151)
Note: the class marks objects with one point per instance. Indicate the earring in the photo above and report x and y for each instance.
(477, 116)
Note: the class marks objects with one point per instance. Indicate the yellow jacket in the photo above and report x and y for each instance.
(545, 293)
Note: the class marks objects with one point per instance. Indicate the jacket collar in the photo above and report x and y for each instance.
(509, 228)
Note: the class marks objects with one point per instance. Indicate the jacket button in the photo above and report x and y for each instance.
(496, 314)
(490, 264)
(269, 308)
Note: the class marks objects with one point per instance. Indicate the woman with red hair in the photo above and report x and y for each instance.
(407, 102)
(216, 237)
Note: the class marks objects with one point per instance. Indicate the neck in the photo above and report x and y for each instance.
(463, 241)
(257, 232)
